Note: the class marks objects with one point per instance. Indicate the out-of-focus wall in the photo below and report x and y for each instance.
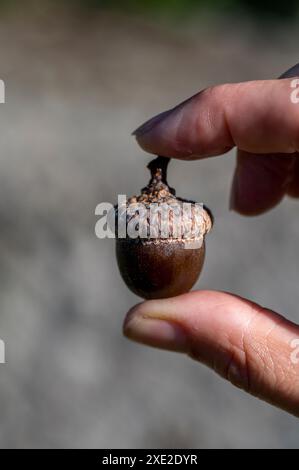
(77, 84)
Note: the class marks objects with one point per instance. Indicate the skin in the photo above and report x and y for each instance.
(246, 343)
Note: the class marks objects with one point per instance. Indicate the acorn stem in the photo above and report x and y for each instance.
(158, 169)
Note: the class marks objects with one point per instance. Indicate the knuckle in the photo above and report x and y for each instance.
(251, 362)
(262, 365)
(218, 93)
(211, 120)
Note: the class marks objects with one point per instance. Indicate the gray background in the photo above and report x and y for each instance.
(75, 89)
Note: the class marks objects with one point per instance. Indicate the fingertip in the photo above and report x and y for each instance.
(172, 322)
(241, 203)
(150, 124)
(144, 325)
(130, 315)
(259, 182)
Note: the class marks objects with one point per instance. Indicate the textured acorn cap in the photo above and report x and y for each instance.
(158, 209)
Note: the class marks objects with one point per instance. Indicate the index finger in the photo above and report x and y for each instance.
(258, 116)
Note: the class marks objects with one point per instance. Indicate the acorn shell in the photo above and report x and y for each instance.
(155, 269)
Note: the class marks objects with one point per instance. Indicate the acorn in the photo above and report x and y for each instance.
(161, 250)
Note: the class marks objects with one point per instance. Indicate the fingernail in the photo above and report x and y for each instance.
(292, 72)
(157, 333)
(150, 124)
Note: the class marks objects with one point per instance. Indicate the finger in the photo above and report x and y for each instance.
(242, 341)
(257, 116)
(261, 181)
(293, 186)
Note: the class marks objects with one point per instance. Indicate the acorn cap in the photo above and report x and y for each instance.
(158, 215)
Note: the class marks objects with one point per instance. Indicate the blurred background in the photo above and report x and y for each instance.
(80, 76)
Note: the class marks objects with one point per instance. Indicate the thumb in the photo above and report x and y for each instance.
(245, 343)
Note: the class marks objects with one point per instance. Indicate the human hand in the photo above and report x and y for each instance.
(246, 343)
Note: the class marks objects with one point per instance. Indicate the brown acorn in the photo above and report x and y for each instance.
(153, 263)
